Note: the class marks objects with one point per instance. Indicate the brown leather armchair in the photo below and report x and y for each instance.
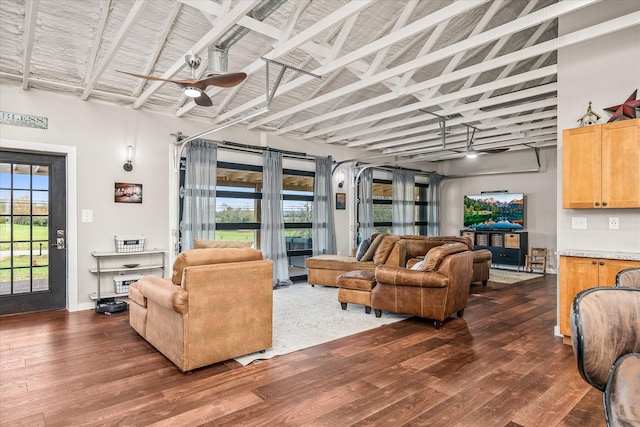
(434, 290)
(605, 333)
(216, 306)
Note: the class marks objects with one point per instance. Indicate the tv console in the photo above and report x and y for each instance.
(507, 247)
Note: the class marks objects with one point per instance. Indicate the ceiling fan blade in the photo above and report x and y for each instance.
(494, 150)
(203, 100)
(224, 80)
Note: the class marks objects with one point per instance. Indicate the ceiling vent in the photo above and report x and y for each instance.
(218, 51)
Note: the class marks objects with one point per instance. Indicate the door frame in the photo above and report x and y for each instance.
(72, 207)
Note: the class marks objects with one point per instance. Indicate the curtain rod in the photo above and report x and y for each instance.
(247, 148)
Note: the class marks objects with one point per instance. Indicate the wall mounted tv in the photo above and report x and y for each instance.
(494, 211)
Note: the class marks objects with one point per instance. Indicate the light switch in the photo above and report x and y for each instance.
(87, 215)
(579, 222)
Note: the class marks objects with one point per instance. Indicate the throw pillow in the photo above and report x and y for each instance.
(384, 249)
(368, 255)
(362, 248)
(418, 265)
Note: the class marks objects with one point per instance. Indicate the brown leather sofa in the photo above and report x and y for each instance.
(437, 290)
(394, 251)
(216, 306)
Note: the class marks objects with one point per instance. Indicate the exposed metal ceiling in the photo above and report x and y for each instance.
(392, 72)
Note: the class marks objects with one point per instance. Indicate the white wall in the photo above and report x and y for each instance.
(604, 71)
(539, 189)
(98, 133)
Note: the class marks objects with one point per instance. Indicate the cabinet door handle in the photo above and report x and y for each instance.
(604, 203)
(597, 203)
(593, 262)
(601, 262)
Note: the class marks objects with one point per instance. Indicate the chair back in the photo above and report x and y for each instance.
(605, 325)
(628, 278)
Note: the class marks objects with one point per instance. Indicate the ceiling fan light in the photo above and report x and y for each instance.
(471, 155)
(192, 92)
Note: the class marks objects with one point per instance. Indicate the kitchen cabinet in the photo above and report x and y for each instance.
(580, 273)
(601, 166)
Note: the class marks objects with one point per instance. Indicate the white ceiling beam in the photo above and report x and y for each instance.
(516, 146)
(419, 143)
(105, 7)
(408, 31)
(123, 32)
(479, 28)
(473, 91)
(400, 22)
(162, 39)
(545, 103)
(225, 23)
(497, 100)
(215, 10)
(296, 41)
(539, 49)
(536, 18)
(486, 139)
(30, 15)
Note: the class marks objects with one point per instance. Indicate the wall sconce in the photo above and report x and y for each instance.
(128, 166)
(341, 182)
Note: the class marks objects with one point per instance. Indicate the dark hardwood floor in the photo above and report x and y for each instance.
(500, 365)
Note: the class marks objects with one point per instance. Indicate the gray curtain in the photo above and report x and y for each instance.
(324, 233)
(403, 202)
(433, 213)
(199, 193)
(365, 217)
(272, 242)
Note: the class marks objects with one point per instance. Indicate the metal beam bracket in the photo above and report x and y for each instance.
(283, 69)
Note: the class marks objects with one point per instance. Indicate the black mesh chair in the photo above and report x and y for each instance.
(605, 333)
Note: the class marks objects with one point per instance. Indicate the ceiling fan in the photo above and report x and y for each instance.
(195, 88)
(470, 152)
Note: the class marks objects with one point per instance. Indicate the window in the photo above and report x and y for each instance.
(382, 191)
(238, 209)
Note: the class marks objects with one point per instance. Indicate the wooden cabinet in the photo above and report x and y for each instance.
(507, 247)
(601, 166)
(578, 274)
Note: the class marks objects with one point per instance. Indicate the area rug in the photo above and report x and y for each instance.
(305, 316)
(510, 276)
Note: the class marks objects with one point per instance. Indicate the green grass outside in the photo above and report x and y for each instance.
(21, 232)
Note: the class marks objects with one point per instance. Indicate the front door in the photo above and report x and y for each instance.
(32, 232)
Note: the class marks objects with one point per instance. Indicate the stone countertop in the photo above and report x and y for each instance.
(626, 256)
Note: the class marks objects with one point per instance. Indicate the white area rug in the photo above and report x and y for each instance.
(510, 276)
(305, 316)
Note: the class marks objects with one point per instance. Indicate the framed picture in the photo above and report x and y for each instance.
(341, 201)
(127, 193)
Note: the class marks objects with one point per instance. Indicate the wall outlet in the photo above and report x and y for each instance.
(579, 222)
(614, 223)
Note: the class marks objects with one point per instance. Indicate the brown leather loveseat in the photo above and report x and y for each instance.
(434, 289)
(394, 251)
(216, 306)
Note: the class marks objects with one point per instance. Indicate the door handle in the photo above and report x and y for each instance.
(59, 244)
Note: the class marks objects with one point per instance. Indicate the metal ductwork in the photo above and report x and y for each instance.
(218, 51)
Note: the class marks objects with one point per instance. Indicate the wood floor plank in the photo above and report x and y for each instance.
(499, 365)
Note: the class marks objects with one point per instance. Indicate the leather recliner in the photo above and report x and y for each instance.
(216, 306)
(435, 290)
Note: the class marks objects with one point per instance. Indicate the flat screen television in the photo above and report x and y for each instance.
(494, 211)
